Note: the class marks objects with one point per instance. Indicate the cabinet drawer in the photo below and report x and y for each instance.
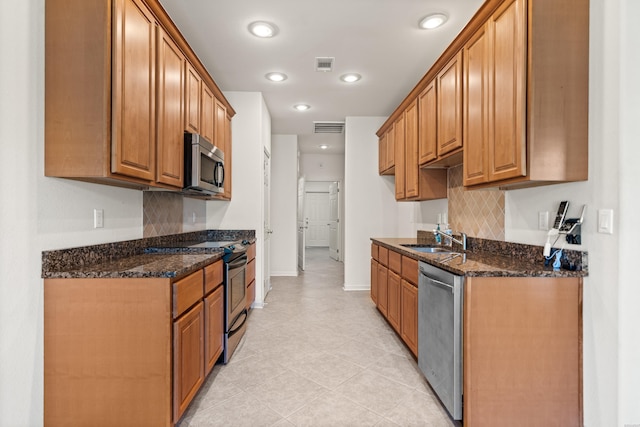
(251, 252)
(250, 273)
(395, 261)
(374, 251)
(213, 276)
(187, 292)
(410, 270)
(383, 256)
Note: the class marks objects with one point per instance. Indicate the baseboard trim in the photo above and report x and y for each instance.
(285, 273)
(362, 287)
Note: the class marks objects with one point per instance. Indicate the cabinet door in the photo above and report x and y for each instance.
(427, 124)
(133, 143)
(170, 147)
(214, 327)
(393, 297)
(207, 117)
(382, 153)
(507, 139)
(476, 107)
(409, 315)
(398, 136)
(188, 358)
(412, 186)
(374, 281)
(382, 289)
(449, 82)
(193, 94)
(391, 149)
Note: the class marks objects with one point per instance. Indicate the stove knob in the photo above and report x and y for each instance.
(245, 242)
(232, 247)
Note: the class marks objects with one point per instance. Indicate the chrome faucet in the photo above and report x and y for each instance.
(462, 241)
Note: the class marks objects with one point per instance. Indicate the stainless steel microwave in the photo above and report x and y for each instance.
(203, 166)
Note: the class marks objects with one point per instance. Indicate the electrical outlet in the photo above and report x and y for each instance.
(98, 218)
(543, 220)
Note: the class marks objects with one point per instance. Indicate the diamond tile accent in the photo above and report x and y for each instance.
(479, 213)
(162, 213)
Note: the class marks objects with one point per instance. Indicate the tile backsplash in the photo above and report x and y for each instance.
(162, 213)
(479, 213)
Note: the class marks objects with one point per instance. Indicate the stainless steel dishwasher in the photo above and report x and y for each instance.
(440, 295)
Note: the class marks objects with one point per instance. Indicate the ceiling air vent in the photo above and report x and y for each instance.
(328, 127)
(324, 63)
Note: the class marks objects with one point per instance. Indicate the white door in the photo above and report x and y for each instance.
(301, 224)
(334, 221)
(316, 207)
(266, 283)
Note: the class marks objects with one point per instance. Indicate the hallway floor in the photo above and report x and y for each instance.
(316, 355)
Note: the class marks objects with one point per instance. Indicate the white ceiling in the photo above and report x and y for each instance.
(378, 39)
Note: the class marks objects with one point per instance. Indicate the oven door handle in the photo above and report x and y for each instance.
(238, 262)
(234, 329)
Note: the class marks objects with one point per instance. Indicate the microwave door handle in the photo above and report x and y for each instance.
(219, 174)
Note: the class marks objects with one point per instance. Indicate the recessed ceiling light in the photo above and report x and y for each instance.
(276, 77)
(301, 107)
(432, 21)
(350, 77)
(323, 146)
(263, 29)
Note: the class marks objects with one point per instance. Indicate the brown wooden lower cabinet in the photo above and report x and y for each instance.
(214, 327)
(382, 290)
(522, 343)
(188, 358)
(250, 276)
(374, 281)
(409, 320)
(522, 351)
(129, 351)
(393, 297)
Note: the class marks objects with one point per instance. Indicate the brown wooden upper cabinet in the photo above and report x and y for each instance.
(428, 143)
(117, 116)
(399, 144)
(193, 99)
(170, 151)
(207, 115)
(509, 97)
(526, 85)
(449, 96)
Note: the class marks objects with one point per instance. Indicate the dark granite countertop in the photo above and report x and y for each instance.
(140, 266)
(137, 259)
(522, 261)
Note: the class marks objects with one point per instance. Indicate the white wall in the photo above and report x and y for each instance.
(629, 295)
(251, 133)
(284, 199)
(370, 209)
(322, 167)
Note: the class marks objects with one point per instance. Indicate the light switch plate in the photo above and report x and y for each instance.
(605, 221)
(543, 220)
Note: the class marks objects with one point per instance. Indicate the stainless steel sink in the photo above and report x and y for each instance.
(428, 249)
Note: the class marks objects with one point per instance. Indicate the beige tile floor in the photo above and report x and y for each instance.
(316, 355)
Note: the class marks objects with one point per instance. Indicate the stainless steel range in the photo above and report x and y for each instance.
(235, 263)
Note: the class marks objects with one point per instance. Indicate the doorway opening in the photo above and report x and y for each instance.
(319, 220)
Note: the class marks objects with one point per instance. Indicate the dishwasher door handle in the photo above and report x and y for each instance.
(438, 283)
